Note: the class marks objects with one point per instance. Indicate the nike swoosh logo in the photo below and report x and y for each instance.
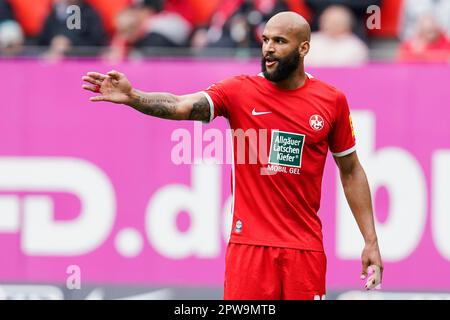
(255, 113)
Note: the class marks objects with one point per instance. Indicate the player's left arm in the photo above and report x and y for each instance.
(357, 192)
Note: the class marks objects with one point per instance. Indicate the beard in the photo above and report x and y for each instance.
(285, 66)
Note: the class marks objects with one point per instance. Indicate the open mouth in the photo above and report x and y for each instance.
(270, 62)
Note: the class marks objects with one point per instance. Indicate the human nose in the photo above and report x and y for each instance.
(268, 47)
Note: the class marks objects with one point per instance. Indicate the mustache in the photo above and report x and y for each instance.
(270, 58)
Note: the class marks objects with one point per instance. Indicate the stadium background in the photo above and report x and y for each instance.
(90, 192)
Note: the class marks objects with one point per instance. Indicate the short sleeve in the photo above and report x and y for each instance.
(218, 96)
(342, 136)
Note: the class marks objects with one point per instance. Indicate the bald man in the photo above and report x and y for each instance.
(275, 249)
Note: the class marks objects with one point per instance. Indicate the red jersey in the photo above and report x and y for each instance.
(276, 197)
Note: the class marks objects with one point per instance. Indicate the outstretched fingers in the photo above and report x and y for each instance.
(97, 76)
(96, 80)
(92, 80)
(94, 88)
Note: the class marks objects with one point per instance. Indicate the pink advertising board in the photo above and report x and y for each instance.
(94, 185)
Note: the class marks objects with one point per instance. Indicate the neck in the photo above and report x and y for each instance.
(296, 80)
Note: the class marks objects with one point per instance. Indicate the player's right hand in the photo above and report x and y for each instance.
(113, 86)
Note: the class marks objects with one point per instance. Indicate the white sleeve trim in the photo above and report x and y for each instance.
(211, 107)
(345, 152)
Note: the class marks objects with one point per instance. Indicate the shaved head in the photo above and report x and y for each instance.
(286, 39)
(290, 23)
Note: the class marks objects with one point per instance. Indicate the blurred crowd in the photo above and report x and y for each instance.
(120, 29)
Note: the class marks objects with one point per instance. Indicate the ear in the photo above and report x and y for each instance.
(303, 48)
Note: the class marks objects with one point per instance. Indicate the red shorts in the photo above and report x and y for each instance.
(271, 273)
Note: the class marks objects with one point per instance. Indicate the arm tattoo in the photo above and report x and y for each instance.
(159, 105)
(200, 110)
(165, 105)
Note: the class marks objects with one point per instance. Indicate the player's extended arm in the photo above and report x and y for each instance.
(115, 87)
(357, 192)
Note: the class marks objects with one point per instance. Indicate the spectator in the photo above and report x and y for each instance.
(335, 44)
(148, 24)
(11, 38)
(428, 44)
(5, 11)
(238, 24)
(170, 27)
(414, 10)
(358, 9)
(61, 39)
(11, 34)
(130, 28)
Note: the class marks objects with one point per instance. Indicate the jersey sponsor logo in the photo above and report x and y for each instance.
(286, 148)
(316, 122)
(256, 113)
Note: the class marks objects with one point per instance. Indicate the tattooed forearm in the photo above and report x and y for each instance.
(200, 110)
(161, 105)
(165, 105)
